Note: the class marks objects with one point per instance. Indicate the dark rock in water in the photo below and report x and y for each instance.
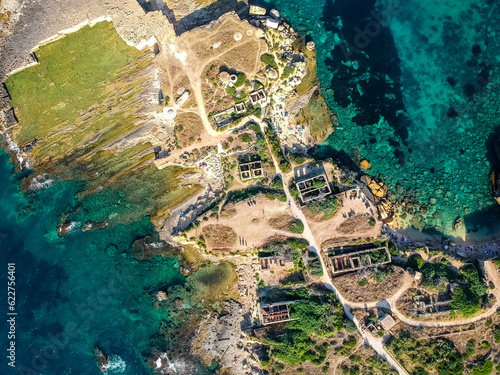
(150, 246)
(93, 225)
(101, 359)
(64, 229)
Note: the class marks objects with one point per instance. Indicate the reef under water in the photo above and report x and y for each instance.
(415, 87)
(88, 288)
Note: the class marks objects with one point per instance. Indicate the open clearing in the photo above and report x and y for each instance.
(349, 223)
(249, 220)
(350, 285)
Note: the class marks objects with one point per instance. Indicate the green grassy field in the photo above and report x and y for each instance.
(71, 79)
(84, 94)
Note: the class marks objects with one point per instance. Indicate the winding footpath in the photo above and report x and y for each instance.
(391, 302)
(325, 279)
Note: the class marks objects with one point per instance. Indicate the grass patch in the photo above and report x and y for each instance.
(69, 80)
(296, 226)
(327, 207)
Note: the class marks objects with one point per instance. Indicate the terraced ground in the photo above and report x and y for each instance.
(92, 119)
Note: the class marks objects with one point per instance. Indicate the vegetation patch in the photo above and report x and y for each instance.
(326, 207)
(438, 355)
(274, 142)
(467, 299)
(296, 226)
(318, 316)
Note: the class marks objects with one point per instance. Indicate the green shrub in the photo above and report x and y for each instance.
(230, 90)
(466, 302)
(246, 138)
(279, 366)
(287, 72)
(254, 111)
(392, 249)
(434, 354)
(328, 207)
(379, 256)
(470, 349)
(372, 222)
(277, 183)
(317, 184)
(268, 59)
(485, 344)
(351, 342)
(485, 369)
(240, 80)
(496, 333)
(296, 226)
(363, 282)
(416, 261)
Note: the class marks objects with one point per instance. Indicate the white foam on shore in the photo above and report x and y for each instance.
(41, 182)
(12, 146)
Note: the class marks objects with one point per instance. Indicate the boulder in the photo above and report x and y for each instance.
(224, 77)
(365, 179)
(272, 73)
(178, 304)
(161, 295)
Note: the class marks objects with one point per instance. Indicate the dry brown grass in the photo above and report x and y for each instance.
(280, 222)
(355, 224)
(228, 212)
(350, 289)
(219, 236)
(192, 128)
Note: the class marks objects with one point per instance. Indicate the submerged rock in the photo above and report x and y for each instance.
(365, 164)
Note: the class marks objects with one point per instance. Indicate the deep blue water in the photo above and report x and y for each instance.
(415, 85)
(417, 98)
(75, 292)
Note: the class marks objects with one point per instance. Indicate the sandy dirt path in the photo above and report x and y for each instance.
(325, 279)
(492, 274)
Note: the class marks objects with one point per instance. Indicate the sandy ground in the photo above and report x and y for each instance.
(254, 221)
(348, 285)
(349, 223)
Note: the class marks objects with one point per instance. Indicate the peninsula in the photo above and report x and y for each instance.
(183, 142)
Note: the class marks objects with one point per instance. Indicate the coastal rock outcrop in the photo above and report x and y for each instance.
(378, 188)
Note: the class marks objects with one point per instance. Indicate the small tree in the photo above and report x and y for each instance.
(416, 261)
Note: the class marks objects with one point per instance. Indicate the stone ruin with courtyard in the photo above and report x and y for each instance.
(313, 188)
(276, 262)
(353, 261)
(275, 313)
(250, 169)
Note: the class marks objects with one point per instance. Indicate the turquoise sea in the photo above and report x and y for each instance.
(77, 291)
(415, 86)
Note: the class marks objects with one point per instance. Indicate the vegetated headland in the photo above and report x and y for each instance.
(204, 123)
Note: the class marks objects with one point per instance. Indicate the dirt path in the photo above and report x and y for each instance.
(492, 274)
(201, 108)
(325, 279)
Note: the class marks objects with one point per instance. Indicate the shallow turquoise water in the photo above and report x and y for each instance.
(75, 292)
(415, 87)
